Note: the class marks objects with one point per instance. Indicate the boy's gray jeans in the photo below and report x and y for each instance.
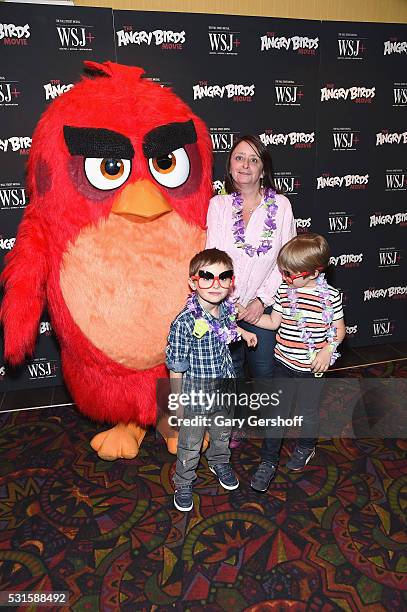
(190, 442)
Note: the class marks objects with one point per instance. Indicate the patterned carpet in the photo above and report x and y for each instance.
(329, 538)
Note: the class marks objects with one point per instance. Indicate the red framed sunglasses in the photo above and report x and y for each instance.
(290, 278)
(206, 280)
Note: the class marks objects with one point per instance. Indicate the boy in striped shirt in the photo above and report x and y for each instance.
(308, 315)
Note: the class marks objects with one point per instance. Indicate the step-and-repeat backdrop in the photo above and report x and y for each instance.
(328, 99)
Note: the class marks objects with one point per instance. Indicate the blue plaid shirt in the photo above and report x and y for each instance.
(205, 357)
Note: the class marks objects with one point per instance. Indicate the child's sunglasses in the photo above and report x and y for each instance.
(290, 278)
(206, 280)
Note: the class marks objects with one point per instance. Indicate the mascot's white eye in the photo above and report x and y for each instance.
(107, 173)
(170, 170)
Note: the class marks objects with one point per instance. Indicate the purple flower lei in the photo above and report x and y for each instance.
(269, 223)
(327, 317)
(226, 333)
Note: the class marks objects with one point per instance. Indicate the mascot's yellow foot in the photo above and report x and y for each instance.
(205, 442)
(170, 436)
(172, 444)
(121, 442)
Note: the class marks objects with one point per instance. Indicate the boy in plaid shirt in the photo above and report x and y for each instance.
(198, 355)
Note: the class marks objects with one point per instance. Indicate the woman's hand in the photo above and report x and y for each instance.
(241, 311)
(252, 312)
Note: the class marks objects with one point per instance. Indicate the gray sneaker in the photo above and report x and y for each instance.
(263, 476)
(227, 477)
(300, 458)
(183, 500)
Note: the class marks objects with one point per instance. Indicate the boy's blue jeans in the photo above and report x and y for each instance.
(190, 442)
(308, 397)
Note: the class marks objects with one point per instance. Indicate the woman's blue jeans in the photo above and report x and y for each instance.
(260, 360)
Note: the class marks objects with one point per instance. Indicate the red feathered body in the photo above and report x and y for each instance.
(95, 244)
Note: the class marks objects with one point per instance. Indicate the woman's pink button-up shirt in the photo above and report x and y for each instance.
(256, 276)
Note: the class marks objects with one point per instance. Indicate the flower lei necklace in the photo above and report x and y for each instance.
(225, 333)
(269, 223)
(327, 317)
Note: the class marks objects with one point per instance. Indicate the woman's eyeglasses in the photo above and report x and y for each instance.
(206, 279)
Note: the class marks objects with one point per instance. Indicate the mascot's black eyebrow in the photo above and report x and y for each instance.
(97, 142)
(166, 138)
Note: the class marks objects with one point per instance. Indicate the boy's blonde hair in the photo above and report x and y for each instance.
(304, 253)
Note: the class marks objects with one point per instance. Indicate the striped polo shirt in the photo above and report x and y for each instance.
(290, 349)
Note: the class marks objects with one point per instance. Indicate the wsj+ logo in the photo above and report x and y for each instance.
(42, 369)
(12, 198)
(72, 37)
(222, 42)
(222, 141)
(339, 223)
(8, 92)
(400, 96)
(383, 328)
(344, 140)
(287, 184)
(288, 94)
(389, 258)
(395, 181)
(350, 47)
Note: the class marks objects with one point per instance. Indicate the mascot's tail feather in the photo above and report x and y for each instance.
(24, 279)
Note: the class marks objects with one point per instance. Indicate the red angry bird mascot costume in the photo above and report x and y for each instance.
(119, 177)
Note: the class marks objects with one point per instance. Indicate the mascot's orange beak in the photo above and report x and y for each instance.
(142, 200)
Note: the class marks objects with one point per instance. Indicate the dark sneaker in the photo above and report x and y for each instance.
(263, 476)
(300, 458)
(226, 475)
(183, 498)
